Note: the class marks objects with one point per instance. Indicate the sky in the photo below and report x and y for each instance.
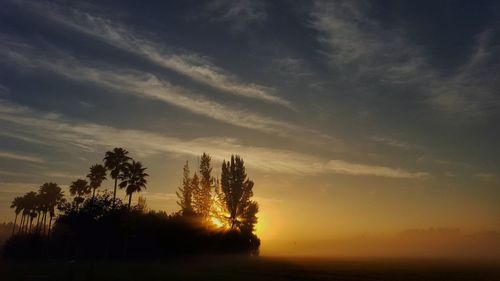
(353, 117)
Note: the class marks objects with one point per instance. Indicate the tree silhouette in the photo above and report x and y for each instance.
(203, 190)
(134, 179)
(116, 162)
(17, 205)
(79, 189)
(30, 201)
(237, 193)
(96, 176)
(226, 203)
(185, 192)
(52, 196)
(195, 186)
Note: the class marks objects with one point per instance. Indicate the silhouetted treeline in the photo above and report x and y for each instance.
(215, 216)
(98, 230)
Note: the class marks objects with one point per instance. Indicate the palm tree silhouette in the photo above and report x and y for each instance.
(134, 179)
(30, 200)
(115, 161)
(52, 196)
(79, 188)
(17, 205)
(96, 176)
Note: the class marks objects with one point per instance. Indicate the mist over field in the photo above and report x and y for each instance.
(249, 140)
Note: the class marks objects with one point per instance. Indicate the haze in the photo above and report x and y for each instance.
(357, 121)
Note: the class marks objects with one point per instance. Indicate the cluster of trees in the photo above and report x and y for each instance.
(227, 202)
(50, 197)
(37, 205)
(206, 201)
(121, 167)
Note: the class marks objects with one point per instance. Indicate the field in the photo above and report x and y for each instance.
(244, 268)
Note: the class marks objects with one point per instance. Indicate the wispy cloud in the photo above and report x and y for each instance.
(343, 167)
(238, 13)
(393, 142)
(195, 66)
(97, 137)
(489, 177)
(4, 91)
(369, 54)
(21, 157)
(150, 86)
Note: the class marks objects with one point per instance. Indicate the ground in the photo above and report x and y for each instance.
(252, 268)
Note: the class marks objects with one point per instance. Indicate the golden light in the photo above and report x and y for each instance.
(216, 222)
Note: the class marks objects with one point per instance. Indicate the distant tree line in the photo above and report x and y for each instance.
(216, 216)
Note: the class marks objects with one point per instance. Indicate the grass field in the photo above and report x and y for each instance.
(245, 268)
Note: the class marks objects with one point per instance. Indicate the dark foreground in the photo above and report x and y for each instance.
(251, 268)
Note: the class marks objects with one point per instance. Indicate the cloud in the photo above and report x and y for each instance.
(357, 45)
(149, 86)
(21, 157)
(94, 137)
(195, 66)
(369, 55)
(393, 142)
(489, 177)
(343, 167)
(239, 13)
(4, 91)
(289, 68)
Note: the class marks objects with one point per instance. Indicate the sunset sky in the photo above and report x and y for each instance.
(352, 117)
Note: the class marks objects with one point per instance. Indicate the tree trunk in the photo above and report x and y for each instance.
(50, 224)
(129, 200)
(37, 226)
(44, 221)
(114, 193)
(93, 194)
(25, 224)
(21, 224)
(14, 226)
(31, 224)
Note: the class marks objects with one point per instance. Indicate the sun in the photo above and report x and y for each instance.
(216, 222)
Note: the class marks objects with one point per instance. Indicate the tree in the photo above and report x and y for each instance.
(17, 205)
(30, 201)
(203, 192)
(116, 162)
(185, 192)
(53, 196)
(79, 189)
(236, 194)
(195, 186)
(134, 179)
(96, 176)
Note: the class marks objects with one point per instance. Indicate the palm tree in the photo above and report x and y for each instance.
(31, 203)
(79, 188)
(41, 209)
(134, 179)
(17, 205)
(96, 176)
(53, 196)
(116, 162)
